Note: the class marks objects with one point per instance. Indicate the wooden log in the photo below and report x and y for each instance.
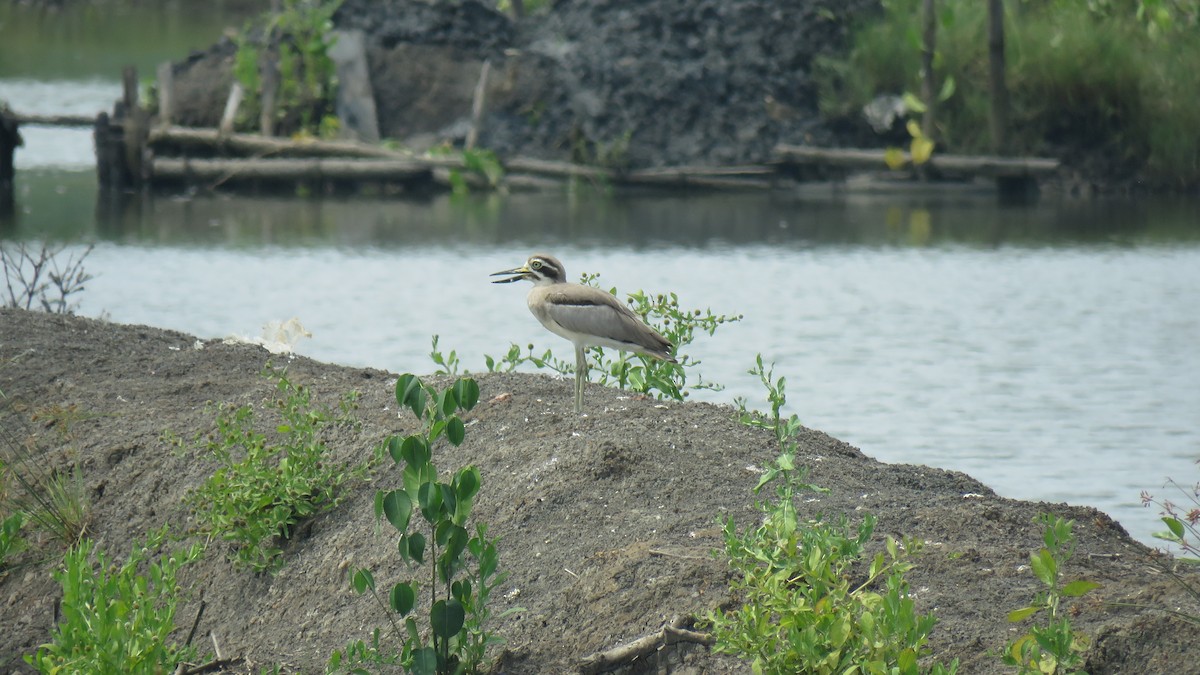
(857, 159)
(544, 167)
(752, 177)
(253, 144)
(55, 120)
(224, 170)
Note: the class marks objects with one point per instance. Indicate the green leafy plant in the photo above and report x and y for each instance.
(448, 364)
(299, 38)
(798, 609)
(117, 619)
(641, 374)
(462, 568)
(1055, 646)
(265, 485)
(1183, 529)
(1182, 521)
(11, 542)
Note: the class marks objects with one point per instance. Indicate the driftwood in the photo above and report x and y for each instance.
(626, 654)
(996, 167)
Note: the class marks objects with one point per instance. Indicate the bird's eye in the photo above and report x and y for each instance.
(536, 264)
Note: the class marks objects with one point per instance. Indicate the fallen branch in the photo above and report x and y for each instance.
(616, 657)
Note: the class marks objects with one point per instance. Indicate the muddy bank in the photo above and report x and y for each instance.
(606, 521)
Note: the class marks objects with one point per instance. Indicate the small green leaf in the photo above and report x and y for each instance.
(1044, 566)
(424, 661)
(411, 393)
(402, 599)
(467, 482)
(362, 580)
(455, 431)
(446, 618)
(1022, 614)
(1079, 587)
(429, 496)
(447, 402)
(1174, 526)
(467, 393)
(415, 450)
(416, 547)
(398, 508)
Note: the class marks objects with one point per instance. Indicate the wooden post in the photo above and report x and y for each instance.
(134, 127)
(236, 92)
(998, 120)
(166, 94)
(477, 105)
(928, 48)
(10, 140)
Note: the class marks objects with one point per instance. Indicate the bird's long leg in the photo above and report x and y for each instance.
(580, 377)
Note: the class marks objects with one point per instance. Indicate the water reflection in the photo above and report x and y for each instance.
(64, 205)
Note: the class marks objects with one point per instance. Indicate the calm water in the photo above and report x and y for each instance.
(1049, 350)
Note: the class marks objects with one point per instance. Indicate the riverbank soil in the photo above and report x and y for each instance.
(606, 522)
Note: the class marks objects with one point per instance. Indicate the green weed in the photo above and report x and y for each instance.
(798, 609)
(299, 38)
(1055, 646)
(265, 485)
(463, 568)
(117, 619)
(1183, 530)
(11, 542)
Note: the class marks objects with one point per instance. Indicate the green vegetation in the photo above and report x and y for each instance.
(463, 568)
(116, 619)
(641, 374)
(11, 541)
(1110, 76)
(265, 486)
(296, 41)
(1055, 646)
(798, 609)
(1183, 530)
(54, 501)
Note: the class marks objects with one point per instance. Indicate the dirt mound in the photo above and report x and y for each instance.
(606, 521)
(676, 82)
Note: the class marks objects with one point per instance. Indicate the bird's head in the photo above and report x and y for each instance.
(541, 269)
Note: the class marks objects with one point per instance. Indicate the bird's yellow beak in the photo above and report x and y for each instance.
(522, 272)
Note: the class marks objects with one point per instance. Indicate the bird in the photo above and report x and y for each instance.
(584, 315)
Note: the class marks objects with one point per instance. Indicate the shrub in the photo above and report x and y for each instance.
(117, 619)
(266, 485)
